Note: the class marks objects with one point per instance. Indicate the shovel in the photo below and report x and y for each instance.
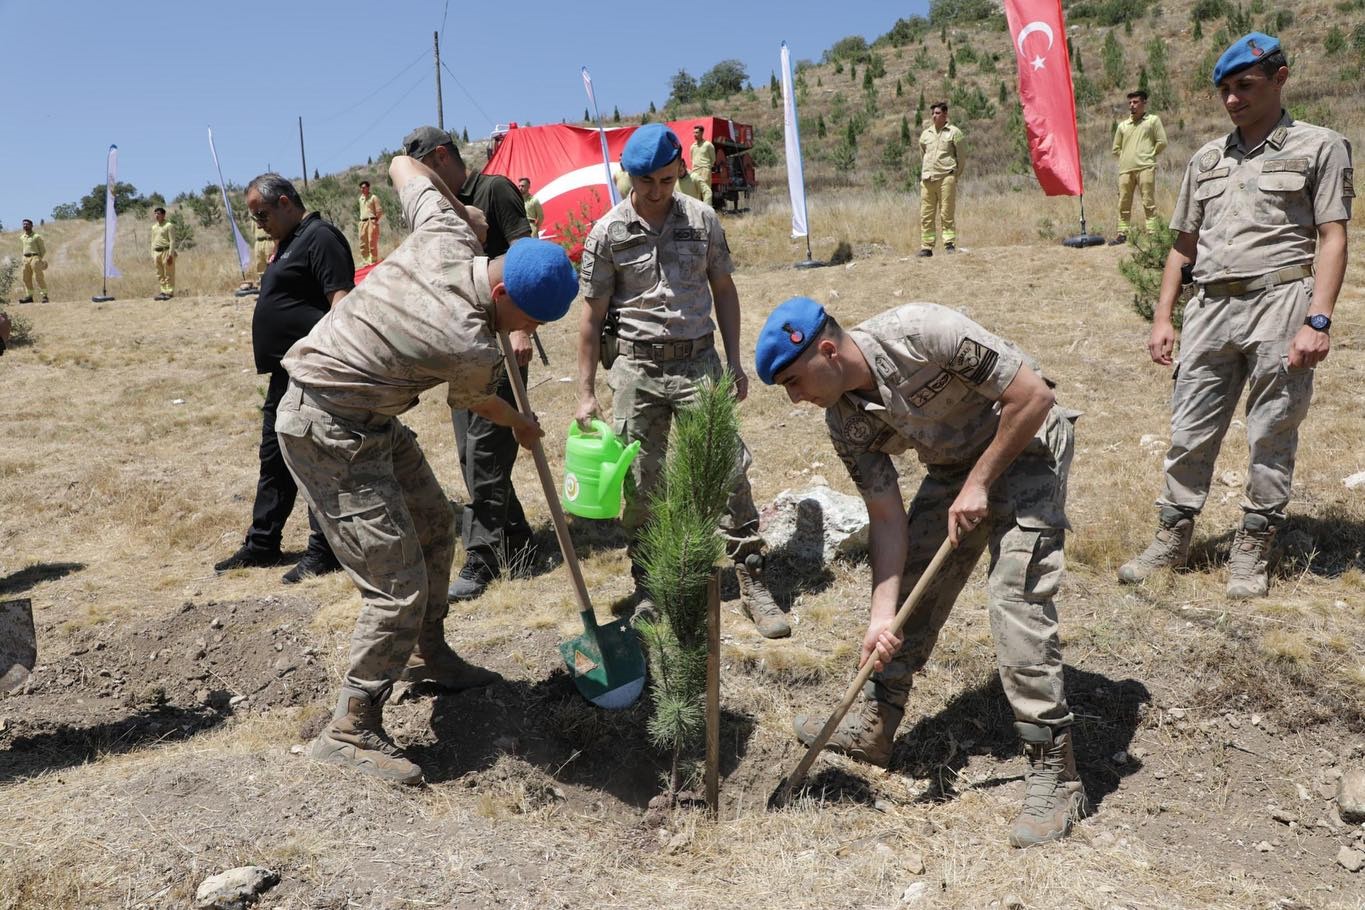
(18, 643)
(606, 662)
(794, 780)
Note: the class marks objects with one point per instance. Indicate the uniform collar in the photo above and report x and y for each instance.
(634, 217)
(871, 349)
(1275, 140)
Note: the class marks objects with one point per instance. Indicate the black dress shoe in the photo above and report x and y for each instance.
(249, 557)
(310, 566)
(925, 253)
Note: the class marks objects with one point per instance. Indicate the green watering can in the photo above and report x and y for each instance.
(595, 465)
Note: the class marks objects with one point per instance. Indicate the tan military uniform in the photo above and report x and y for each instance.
(943, 155)
(35, 263)
(370, 213)
(658, 284)
(703, 156)
(685, 186)
(1137, 145)
(401, 332)
(260, 253)
(535, 214)
(163, 254)
(939, 376)
(1255, 212)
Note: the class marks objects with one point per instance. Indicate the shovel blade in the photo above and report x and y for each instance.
(18, 643)
(606, 664)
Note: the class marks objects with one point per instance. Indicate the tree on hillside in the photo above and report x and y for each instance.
(853, 48)
(722, 80)
(943, 12)
(1112, 54)
(905, 31)
(91, 205)
(682, 88)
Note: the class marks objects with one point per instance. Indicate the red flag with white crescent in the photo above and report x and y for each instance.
(1039, 33)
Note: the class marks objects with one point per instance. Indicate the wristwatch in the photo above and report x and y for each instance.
(1319, 322)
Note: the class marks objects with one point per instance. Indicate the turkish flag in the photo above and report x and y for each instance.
(1039, 33)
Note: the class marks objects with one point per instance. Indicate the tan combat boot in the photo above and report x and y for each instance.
(1170, 549)
(866, 733)
(433, 662)
(356, 739)
(1054, 796)
(1249, 562)
(757, 600)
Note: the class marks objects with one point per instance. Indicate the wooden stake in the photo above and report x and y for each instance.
(712, 772)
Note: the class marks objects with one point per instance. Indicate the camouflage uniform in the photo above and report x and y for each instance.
(1255, 212)
(939, 376)
(658, 284)
(360, 469)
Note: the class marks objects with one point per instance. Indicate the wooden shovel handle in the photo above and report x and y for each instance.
(547, 482)
(799, 775)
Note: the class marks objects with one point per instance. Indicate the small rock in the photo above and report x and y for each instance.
(678, 841)
(1120, 757)
(1149, 440)
(1304, 795)
(196, 651)
(1350, 796)
(1159, 774)
(287, 664)
(1230, 479)
(915, 893)
(914, 863)
(203, 696)
(1012, 902)
(1255, 720)
(1350, 860)
(1282, 817)
(215, 623)
(236, 700)
(1264, 847)
(816, 524)
(1102, 841)
(297, 749)
(235, 889)
(1355, 480)
(177, 401)
(1176, 713)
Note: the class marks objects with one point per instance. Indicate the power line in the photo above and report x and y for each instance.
(491, 122)
(366, 131)
(443, 18)
(416, 60)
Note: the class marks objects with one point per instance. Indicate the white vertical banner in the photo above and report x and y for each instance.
(243, 251)
(110, 215)
(796, 174)
(602, 135)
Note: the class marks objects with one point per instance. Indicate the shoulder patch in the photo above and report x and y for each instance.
(1209, 159)
(689, 233)
(1348, 187)
(927, 392)
(888, 370)
(858, 429)
(1288, 165)
(1213, 175)
(973, 361)
(617, 231)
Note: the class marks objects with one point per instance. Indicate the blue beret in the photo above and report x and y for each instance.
(649, 148)
(1245, 51)
(790, 329)
(539, 278)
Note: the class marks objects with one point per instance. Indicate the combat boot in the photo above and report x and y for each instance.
(1249, 562)
(757, 600)
(1170, 548)
(356, 739)
(435, 663)
(1054, 796)
(866, 734)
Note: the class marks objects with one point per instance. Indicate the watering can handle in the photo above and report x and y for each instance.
(547, 483)
(599, 428)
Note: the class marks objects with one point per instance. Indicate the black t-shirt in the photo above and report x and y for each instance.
(310, 265)
(502, 205)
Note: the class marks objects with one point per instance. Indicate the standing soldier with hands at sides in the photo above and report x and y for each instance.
(1261, 224)
(1138, 140)
(163, 253)
(658, 266)
(942, 154)
(370, 213)
(535, 213)
(35, 262)
(703, 155)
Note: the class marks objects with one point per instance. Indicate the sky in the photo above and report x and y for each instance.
(150, 76)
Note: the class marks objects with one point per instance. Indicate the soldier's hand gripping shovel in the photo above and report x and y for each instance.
(606, 662)
(18, 643)
(795, 779)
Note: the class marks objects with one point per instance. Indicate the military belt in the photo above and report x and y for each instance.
(1260, 283)
(366, 219)
(660, 351)
(31, 255)
(160, 249)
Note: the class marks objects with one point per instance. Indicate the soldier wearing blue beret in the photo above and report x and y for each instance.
(996, 450)
(1261, 223)
(658, 267)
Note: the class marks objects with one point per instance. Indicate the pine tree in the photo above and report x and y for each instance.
(820, 130)
(952, 68)
(905, 130)
(1113, 60)
(1003, 94)
(919, 105)
(652, 108)
(919, 118)
(615, 114)
(899, 91)
(1198, 33)
(851, 134)
(868, 84)
(586, 118)
(1142, 80)
(465, 138)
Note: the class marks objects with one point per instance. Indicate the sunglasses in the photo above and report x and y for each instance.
(261, 217)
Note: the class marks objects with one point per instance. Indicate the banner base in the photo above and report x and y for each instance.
(810, 264)
(246, 292)
(101, 298)
(1080, 241)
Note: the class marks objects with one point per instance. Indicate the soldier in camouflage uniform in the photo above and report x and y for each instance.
(656, 263)
(1261, 219)
(428, 314)
(996, 450)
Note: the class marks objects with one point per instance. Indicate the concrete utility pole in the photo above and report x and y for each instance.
(302, 156)
(440, 108)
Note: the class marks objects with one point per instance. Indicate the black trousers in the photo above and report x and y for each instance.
(276, 489)
(494, 526)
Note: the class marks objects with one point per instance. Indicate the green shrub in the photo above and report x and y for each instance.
(1335, 42)
(1144, 270)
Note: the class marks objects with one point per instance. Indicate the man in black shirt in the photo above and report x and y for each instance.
(311, 271)
(495, 531)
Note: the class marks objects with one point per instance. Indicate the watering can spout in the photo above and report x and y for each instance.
(612, 479)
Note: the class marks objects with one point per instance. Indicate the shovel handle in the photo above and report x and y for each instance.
(547, 482)
(796, 777)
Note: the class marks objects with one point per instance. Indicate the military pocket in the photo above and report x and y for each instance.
(368, 528)
(1282, 197)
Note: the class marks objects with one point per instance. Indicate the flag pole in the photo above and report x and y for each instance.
(111, 176)
(796, 174)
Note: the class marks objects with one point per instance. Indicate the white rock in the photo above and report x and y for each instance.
(914, 863)
(1264, 847)
(1350, 860)
(1230, 478)
(1351, 796)
(177, 401)
(816, 523)
(915, 893)
(1355, 480)
(1149, 440)
(235, 889)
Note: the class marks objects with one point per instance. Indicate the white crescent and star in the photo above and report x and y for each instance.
(1035, 26)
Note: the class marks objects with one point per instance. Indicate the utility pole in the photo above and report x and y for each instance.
(440, 108)
(302, 156)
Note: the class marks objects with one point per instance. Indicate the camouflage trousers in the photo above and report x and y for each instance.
(645, 396)
(1024, 532)
(387, 519)
(1227, 343)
